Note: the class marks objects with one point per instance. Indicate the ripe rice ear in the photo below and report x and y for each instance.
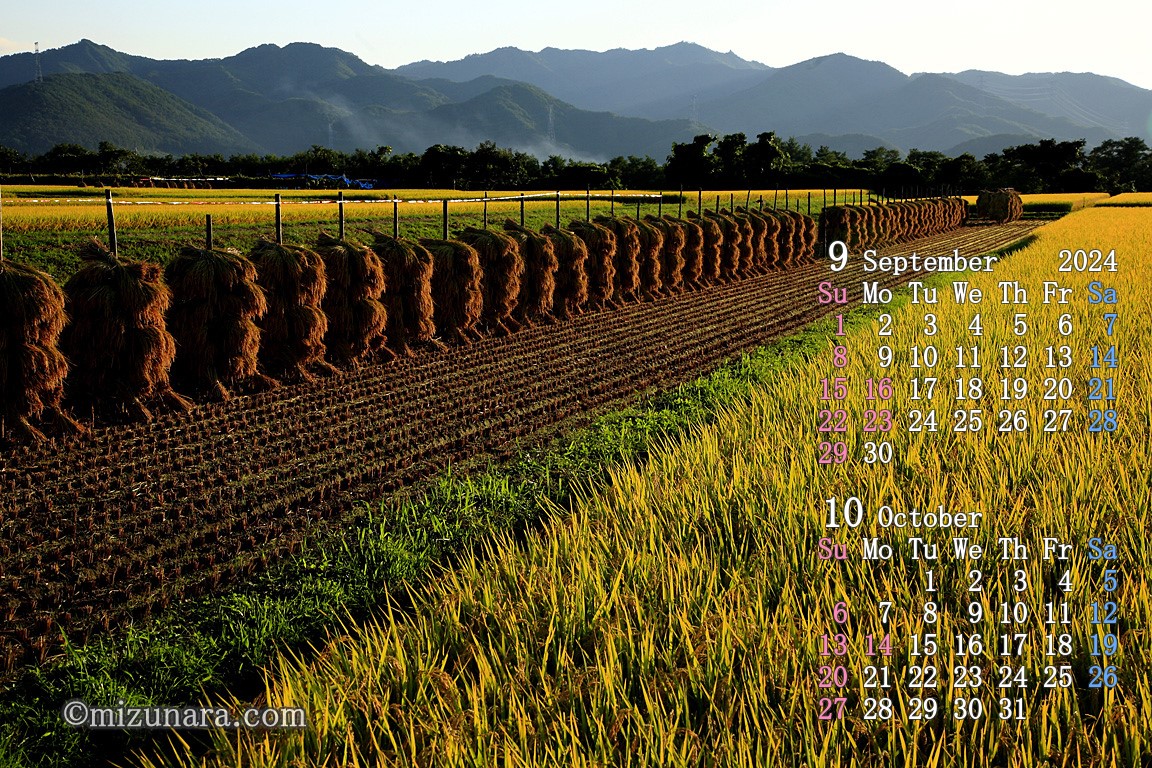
(32, 368)
(457, 287)
(627, 256)
(215, 302)
(538, 288)
(357, 319)
(408, 293)
(571, 275)
(601, 265)
(651, 259)
(294, 282)
(117, 342)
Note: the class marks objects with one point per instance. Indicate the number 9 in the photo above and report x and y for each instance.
(838, 253)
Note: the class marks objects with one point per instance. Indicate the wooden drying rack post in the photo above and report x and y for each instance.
(279, 221)
(112, 246)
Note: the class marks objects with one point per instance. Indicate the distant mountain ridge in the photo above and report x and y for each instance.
(581, 104)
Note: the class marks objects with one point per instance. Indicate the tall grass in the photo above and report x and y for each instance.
(674, 619)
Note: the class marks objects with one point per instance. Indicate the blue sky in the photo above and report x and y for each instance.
(917, 36)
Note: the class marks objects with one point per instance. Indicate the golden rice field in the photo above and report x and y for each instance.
(676, 617)
(28, 209)
(1077, 200)
(1131, 198)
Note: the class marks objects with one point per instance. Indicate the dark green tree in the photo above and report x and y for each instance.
(876, 161)
(634, 172)
(442, 165)
(690, 164)
(1124, 165)
(929, 163)
(731, 161)
(964, 174)
(763, 159)
(68, 158)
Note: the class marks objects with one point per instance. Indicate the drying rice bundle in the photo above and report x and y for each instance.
(779, 229)
(878, 223)
(117, 342)
(923, 217)
(571, 275)
(216, 303)
(908, 220)
(601, 265)
(807, 233)
(730, 244)
(713, 245)
(900, 222)
(502, 269)
(958, 210)
(811, 236)
(627, 255)
(357, 319)
(789, 238)
(758, 231)
(32, 369)
(795, 236)
(946, 213)
(748, 252)
(1002, 205)
(849, 220)
(882, 223)
(457, 287)
(868, 230)
(771, 239)
(965, 210)
(651, 258)
(693, 270)
(931, 216)
(538, 288)
(407, 293)
(869, 226)
(742, 234)
(292, 331)
(835, 222)
(672, 254)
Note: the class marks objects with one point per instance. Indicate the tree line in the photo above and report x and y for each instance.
(707, 162)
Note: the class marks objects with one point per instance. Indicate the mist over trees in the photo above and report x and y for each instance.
(730, 161)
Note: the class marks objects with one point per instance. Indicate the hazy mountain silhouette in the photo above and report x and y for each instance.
(283, 99)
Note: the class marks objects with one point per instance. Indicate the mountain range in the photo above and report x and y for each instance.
(579, 104)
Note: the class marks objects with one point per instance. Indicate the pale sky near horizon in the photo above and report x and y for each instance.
(1013, 37)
